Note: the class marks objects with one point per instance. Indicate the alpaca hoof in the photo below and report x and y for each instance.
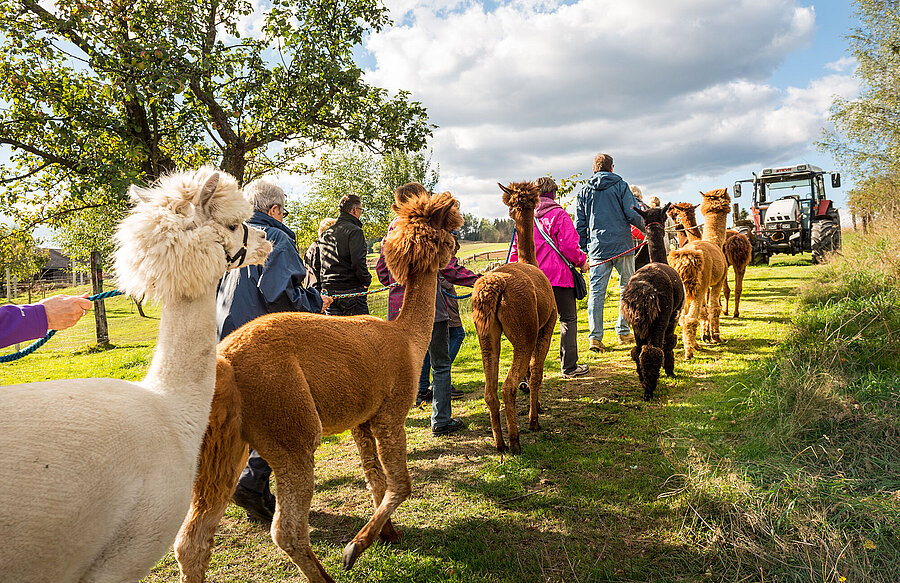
(514, 448)
(501, 448)
(535, 426)
(351, 553)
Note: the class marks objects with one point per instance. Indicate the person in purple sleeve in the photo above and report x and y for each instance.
(30, 321)
(439, 347)
(558, 225)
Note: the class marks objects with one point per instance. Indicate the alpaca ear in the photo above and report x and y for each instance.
(504, 189)
(666, 208)
(206, 193)
(138, 194)
(702, 193)
(643, 213)
(693, 206)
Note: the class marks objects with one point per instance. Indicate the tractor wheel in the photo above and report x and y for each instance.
(825, 239)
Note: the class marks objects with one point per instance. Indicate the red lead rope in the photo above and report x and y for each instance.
(619, 255)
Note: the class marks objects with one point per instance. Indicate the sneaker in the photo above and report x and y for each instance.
(580, 370)
(424, 398)
(451, 427)
(256, 505)
(597, 346)
(626, 338)
(456, 394)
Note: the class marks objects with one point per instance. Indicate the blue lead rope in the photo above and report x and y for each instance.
(462, 297)
(38, 343)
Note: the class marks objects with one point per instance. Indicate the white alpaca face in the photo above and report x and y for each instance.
(176, 241)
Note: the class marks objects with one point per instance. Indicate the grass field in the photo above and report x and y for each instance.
(611, 488)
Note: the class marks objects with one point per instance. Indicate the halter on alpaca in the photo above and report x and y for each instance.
(333, 374)
(108, 464)
(515, 299)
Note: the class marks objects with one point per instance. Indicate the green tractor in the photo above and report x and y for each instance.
(791, 213)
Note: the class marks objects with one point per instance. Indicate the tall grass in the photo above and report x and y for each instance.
(808, 486)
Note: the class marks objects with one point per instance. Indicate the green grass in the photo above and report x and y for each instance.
(706, 483)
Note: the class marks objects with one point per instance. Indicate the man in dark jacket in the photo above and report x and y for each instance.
(249, 292)
(604, 215)
(342, 252)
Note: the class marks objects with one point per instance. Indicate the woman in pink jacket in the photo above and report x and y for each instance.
(558, 225)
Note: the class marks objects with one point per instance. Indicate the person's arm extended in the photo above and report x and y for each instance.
(566, 238)
(282, 280)
(459, 275)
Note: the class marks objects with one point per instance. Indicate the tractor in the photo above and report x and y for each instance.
(791, 213)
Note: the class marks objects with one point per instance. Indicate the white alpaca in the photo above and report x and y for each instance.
(97, 473)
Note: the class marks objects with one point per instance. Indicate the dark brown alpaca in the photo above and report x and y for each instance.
(651, 303)
(285, 380)
(738, 252)
(515, 299)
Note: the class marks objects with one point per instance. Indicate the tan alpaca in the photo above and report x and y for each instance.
(736, 246)
(515, 299)
(285, 380)
(702, 267)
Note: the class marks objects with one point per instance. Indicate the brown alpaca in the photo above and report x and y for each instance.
(284, 380)
(702, 267)
(736, 246)
(651, 303)
(515, 299)
(683, 213)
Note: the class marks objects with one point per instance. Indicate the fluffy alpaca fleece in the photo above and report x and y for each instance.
(515, 299)
(702, 267)
(736, 247)
(285, 380)
(738, 253)
(651, 303)
(98, 472)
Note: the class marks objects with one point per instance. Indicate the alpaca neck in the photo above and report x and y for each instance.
(184, 362)
(691, 230)
(417, 312)
(715, 228)
(525, 236)
(656, 242)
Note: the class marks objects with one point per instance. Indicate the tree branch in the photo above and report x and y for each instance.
(24, 176)
(47, 156)
(30, 225)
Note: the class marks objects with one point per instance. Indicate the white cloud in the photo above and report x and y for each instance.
(841, 65)
(673, 89)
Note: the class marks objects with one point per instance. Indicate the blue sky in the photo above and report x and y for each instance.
(686, 95)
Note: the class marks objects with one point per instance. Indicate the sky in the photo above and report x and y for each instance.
(686, 95)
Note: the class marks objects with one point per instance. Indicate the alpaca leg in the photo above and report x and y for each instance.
(689, 323)
(489, 340)
(636, 356)
(365, 443)
(728, 294)
(738, 288)
(390, 436)
(714, 312)
(290, 527)
(703, 317)
(670, 340)
(222, 457)
(536, 372)
(517, 370)
(651, 359)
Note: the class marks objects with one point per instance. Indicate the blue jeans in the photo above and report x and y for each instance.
(457, 335)
(597, 294)
(439, 353)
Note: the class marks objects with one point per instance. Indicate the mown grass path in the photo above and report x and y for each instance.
(591, 498)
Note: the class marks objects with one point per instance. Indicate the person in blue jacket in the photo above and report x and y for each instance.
(604, 215)
(249, 292)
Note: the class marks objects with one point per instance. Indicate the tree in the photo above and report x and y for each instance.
(19, 253)
(102, 94)
(470, 230)
(352, 170)
(866, 137)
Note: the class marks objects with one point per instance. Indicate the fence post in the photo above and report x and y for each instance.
(7, 285)
(99, 306)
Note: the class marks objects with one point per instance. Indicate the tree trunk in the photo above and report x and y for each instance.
(99, 306)
(234, 161)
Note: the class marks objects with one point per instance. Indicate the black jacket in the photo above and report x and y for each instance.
(342, 252)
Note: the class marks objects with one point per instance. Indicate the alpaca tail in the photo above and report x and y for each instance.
(486, 296)
(640, 305)
(689, 265)
(737, 249)
(223, 446)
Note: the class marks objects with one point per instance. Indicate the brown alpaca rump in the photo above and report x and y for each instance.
(716, 201)
(649, 363)
(486, 296)
(286, 379)
(640, 304)
(737, 249)
(415, 240)
(689, 265)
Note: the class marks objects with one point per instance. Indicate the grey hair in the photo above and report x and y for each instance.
(263, 195)
(636, 192)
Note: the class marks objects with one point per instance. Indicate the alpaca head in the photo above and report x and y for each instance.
(684, 213)
(716, 202)
(520, 197)
(654, 217)
(422, 238)
(183, 233)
